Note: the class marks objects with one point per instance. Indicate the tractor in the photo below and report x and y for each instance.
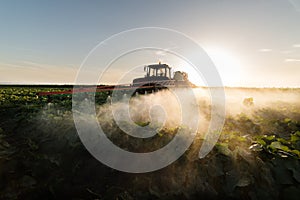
(158, 77)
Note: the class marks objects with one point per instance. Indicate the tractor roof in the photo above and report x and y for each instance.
(159, 66)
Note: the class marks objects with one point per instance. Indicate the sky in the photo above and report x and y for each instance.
(252, 43)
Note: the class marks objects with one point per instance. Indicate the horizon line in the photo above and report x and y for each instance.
(83, 84)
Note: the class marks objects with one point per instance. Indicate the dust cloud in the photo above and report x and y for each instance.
(164, 109)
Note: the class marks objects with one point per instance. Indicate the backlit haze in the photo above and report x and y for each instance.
(252, 43)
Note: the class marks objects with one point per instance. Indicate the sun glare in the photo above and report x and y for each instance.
(227, 64)
(193, 75)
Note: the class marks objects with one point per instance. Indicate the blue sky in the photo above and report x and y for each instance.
(46, 41)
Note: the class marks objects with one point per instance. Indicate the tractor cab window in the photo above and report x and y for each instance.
(161, 70)
(153, 72)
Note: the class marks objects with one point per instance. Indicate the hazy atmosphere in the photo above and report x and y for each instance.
(252, 43)
(125, 99)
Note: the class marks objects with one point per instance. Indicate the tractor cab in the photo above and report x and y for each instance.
(155, 74)
(159, 70)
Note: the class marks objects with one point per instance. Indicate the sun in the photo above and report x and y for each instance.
(193, 75)
(227, 64)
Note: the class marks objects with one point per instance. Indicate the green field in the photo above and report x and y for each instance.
(257, 155)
